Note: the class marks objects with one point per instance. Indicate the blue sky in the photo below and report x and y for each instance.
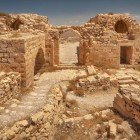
(70, 12)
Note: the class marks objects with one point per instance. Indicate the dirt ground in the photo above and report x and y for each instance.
(68, 53)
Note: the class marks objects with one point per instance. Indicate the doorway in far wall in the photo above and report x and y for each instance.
(126, 55)
(69, 47)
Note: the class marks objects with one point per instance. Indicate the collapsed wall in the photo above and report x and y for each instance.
(42, 124)
(23, 22)
(127, 103)
(10, 85)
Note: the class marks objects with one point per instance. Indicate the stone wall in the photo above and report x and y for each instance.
(54, 55)
(41, 125)
(23, 22)
(18, 52)
(137, 50)
(69, 35)
(102, 37)
(10, 84)
(100, 55)
(127, 103)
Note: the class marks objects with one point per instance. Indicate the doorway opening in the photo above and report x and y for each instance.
(69, 47)
(126, 55)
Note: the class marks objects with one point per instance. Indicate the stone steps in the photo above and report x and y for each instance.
(128, 81)
(66, 66)
(126, 77)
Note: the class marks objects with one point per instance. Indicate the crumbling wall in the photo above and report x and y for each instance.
(137, 50)
(10, 84)
(127, 103)
(52, 46)
(69, 35)
(42, 124)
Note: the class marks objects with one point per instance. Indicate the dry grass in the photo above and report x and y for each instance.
(79, 91)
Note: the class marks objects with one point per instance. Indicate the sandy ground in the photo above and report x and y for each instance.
(100, 99)
(68, 53)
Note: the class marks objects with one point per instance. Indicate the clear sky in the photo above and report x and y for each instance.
(70, 12)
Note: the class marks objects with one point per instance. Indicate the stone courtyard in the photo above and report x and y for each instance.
(69, 82)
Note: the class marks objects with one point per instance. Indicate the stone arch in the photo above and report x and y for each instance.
(121, 26)
(16, 24)
(39, 61)
(70, 35)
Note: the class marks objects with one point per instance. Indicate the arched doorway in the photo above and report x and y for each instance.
(69, 47)
(39, 61)
(121, 27)
(16, 24)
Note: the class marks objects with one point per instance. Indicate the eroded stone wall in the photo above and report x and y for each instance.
(42, 124)
(10, 85)
(18, 53)
(127, 103)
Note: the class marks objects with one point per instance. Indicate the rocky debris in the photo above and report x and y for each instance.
(9, 86)
(127, 102)
(69, 35)
(102, 125)
(113, 129)
(111, 126)
(91, 70)
(42, 124)
(95, 82)
(75, 120)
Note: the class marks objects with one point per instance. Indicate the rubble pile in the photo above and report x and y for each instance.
(10, 85)
(40, 125)
(127, 103)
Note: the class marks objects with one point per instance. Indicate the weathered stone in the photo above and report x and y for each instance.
(37, 117)
(113, 129)
(91, 70)
(23, 123)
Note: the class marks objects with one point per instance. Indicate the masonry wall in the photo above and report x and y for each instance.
(18, 53)
(32, 46)
(9, 86)
(137, 50)
(12, 54)
(127, 103)
(54, 44)
(100, 55)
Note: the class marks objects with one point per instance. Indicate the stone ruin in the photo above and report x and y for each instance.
(107, 40)
(127, 102)
(28, 42)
